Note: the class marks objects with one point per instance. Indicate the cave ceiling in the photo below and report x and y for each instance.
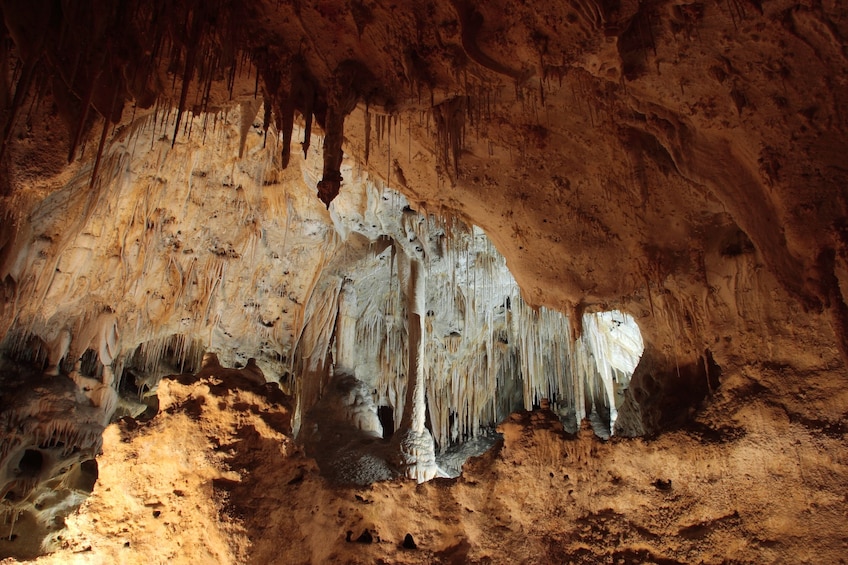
(604, 146)
(644, 156)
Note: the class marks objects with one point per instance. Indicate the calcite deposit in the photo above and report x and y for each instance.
(270, 272)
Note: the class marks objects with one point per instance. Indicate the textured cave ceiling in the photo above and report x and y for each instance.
(610, 149)
(180, 175)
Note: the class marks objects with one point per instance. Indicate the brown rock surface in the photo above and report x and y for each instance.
(683, 162)
(672, 140)
(215, 478)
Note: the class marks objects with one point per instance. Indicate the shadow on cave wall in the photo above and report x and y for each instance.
(664, 395)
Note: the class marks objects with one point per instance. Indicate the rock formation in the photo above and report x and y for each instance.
(664, 180)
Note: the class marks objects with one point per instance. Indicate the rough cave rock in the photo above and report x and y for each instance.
(599, 247)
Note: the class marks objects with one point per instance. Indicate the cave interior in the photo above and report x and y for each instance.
(460, 281)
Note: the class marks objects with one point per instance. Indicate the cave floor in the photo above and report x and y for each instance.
(216, 478)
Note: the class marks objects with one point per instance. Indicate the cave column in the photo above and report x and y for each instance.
(416, 446)
(346, 350)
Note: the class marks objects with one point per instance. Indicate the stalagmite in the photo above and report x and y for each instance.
(414, 441)
(345, 335)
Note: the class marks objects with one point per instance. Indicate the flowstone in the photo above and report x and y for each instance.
(50, 433)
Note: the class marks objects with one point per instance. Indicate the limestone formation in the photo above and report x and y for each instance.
(534, 217)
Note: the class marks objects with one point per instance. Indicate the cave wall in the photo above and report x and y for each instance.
(666, 137)
(679, 161)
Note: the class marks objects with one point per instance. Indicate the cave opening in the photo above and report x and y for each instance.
(31, 463)
(387, 420)
(90, 365)
(87, 475)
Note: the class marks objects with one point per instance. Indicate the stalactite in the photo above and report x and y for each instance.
(248, 111)
(31, 49)
(266, 120)
(286, 117)
(367, 134)
(485, 352)
(342, 100)
(450, 132)
(86, 106)
(95, 170)
(194, 45)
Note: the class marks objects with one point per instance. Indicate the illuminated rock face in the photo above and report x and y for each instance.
(374, 288)
(620, 156)
(677, 166)
(182, 258)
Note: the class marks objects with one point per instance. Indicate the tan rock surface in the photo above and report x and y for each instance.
(214, 478)
(683, 162)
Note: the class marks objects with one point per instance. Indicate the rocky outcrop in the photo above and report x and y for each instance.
(216, 478)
